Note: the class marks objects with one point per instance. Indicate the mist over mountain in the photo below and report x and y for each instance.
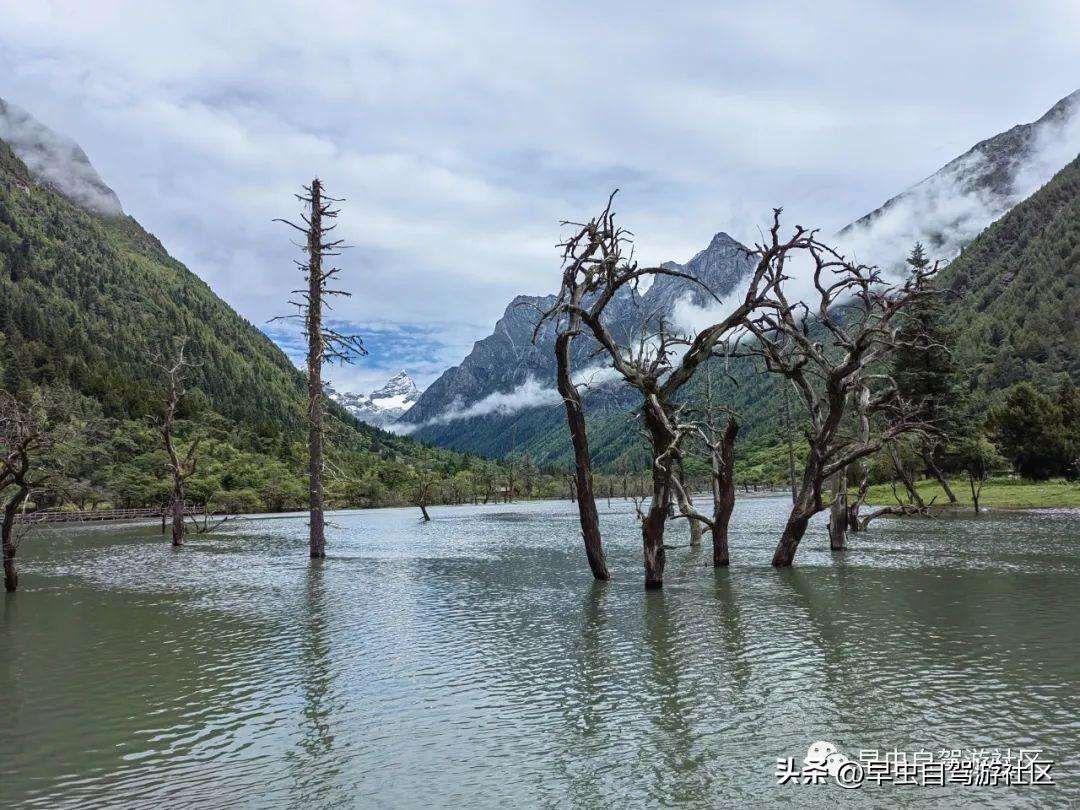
(956, 203)
(56, 161)
(471, 404)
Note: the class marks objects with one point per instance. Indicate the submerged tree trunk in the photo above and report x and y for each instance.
(317, 529)
(652, 534)
(807, 503)
(723, 475)
(855, 504)
(838, 512)
(793, 533)
(7, 541)
(652, 525)
(423, 511)
(788, 429)
(176, 511)
(582, 487)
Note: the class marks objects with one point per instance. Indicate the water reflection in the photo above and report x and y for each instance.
(472, 662)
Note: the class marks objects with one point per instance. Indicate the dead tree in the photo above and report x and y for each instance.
(685, 499)
(658, 364)
(829, 357)
(23, 433)
(789, 437)
(325, 345)
(720, 444)
(182, 465)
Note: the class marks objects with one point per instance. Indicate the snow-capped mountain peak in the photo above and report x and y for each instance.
(383, 405)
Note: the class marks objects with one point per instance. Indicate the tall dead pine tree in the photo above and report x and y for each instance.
(181, 465)
(324, 344)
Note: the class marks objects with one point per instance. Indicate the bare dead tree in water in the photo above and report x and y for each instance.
(23, 434)
(659, 363)
(324, 343)
(182, 464)
(857, 337)
(719, 442)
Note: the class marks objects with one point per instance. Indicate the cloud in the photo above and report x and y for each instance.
(530, 394)
(953, 206)
(56, 160)
(461, 134)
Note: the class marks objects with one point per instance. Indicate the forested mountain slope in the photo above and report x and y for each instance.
(89, 300)
(1014, 294)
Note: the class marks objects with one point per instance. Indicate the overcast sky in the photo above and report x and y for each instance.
(461, 133)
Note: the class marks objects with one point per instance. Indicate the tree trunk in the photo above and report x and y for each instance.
(788, 429)
(696, 528)
(975, 492)
(806, 505)
(934, 470)
(723, 475)
(838, 512)
(905, 477)
(789, 540)
(652, 534)
(652, 525)
(316, 530)
(423, 511)
(860, 469)
(583, 479)
(11, 572)
(176, 508)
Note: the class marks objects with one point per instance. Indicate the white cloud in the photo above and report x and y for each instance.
(461, 134)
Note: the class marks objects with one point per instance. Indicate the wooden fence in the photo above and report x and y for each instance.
(74, 516)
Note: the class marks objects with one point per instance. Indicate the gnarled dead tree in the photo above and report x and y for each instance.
(829, 355)
(182, 464)
(660, 362)
(324, 343)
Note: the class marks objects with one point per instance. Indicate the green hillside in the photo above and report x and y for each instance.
(88, 301)
(1014, 293)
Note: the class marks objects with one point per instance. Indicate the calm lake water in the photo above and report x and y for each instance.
(472, 662)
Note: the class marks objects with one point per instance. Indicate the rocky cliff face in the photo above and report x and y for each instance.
(504, 360)
(56, 161)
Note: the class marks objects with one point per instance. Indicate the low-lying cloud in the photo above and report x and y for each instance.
(530, 394)
(55, 160)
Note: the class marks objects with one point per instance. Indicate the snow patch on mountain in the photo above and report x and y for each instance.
(383, 406)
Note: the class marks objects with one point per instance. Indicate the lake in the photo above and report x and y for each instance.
(472, 662)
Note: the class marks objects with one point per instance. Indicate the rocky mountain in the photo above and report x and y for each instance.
(508, 359)
(56, 161)
(957, 202)
(945, 211)
(382, 406)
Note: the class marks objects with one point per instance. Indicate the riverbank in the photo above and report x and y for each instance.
(997, 493)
